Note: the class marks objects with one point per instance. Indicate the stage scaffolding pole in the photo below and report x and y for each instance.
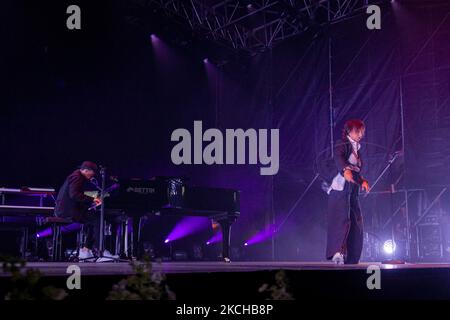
(330, 90)
(402, 125)
(272, 178)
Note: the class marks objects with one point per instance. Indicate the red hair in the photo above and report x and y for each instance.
(352, 124)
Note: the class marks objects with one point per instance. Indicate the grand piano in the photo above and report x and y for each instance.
(137, 198)
(172, 196)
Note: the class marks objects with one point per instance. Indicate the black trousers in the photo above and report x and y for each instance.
(345, 224)
(91, 228)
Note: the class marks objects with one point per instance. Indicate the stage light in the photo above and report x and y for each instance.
(44, 233)
(246, 244)
(187, 226)
(263, 235)
(206, 60)
(215, 238)
(389, 246)
(166, 241)
(207, 243)
(66, 229)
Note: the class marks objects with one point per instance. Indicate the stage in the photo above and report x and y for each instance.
(219, 281)
(124, 268)
(272, 133)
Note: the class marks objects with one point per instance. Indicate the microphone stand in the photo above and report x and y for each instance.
(102, 211)
(103, 192)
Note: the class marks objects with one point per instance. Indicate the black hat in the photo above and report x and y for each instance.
(89, 165)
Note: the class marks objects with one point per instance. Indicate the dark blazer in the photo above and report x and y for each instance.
(71, 201)
(342, 151)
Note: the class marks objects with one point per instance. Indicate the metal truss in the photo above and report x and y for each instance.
(254, 26)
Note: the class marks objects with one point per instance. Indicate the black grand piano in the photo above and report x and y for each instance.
(169, 196)
(163, 196)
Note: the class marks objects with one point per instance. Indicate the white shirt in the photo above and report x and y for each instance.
(356, 146)
(338, 182)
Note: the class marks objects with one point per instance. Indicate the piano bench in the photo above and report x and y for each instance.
(56, 224)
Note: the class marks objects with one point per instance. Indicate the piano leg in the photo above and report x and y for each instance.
(125, 239)
(24, 242)
(137, 247)
(131, 238)
(119, 239)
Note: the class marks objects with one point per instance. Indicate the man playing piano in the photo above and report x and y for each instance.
(73, 203)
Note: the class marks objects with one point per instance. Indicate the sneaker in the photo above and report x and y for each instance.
(85, 254)
(107, 254)
(338, 258)
(104, 259)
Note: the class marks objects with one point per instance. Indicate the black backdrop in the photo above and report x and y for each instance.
(105, 94)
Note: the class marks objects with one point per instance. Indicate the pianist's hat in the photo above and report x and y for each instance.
(89, 165)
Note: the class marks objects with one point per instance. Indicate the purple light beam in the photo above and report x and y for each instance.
(263, 235)
(187, 226)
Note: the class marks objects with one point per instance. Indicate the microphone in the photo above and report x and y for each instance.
(102, 168)
(94, 182)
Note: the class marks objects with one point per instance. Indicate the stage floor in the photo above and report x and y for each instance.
(241, 281)
(124, 268)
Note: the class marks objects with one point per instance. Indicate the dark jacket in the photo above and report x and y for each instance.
(342, 151)
(71, 201)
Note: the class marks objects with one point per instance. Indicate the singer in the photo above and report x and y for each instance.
(73, 203)
(345, 223)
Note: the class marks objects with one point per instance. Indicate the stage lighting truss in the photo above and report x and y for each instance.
(255, 26)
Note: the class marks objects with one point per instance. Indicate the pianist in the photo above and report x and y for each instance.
(73, 203)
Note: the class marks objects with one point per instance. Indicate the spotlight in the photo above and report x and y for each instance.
(166, 241)
(246, 244)
(154, 38)
(206, 60)
(215, 238)
(389, 246)
(187, 226)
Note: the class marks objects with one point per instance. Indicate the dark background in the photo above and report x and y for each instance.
(104, 93)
